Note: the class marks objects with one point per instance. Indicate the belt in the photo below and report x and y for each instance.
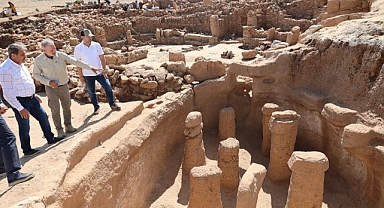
(25, 98)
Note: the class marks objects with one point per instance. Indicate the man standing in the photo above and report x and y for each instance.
(19, 90)
(9, 157)
(92, 53)
(51, 70)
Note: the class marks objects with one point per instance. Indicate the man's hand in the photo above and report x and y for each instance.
(53, 84)
(104, 72)
(95, 70)
(24, 113)
(3, 109)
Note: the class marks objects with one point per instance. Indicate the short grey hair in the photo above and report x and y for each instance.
(14, 48)
(46, 42)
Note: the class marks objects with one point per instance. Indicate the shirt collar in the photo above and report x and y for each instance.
(86, 45)
(46, 57)
(14, 63)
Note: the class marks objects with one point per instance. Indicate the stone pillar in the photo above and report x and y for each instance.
(214, 25)
(227, 123)
(250, 185)
(271, 33)
(307, 180)
(159, 35)
(129, 37)
(194, 152)
(283, 126)
(100, 36)
(247, 31)
(252, 18)
(204, 188)
(293, 36)
(267, 110)
(228, 162)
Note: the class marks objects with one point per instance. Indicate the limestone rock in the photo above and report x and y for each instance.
(177, 67)
(207, 69)
(149, 85)
(176, 56)
(250, 54)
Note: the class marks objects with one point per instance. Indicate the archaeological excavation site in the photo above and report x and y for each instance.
(225, 104)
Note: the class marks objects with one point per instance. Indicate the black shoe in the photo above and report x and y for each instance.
(55, 140)
(21, 178)
(31, 152)
(96, 110)
(115, 107)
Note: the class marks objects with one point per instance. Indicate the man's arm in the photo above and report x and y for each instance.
(103, 62)
(38, 73)
(78, 63)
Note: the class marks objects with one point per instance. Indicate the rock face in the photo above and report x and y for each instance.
(249, 54)
(204, 69)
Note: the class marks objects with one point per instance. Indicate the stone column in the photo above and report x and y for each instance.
(227, 124)
(194, 152)
(204, 188)
(250, 185)
(252, 18)
(129, 37)
(228, 162)
(267, 110)
(214, 25)
(283, 126)
(271, 33)
(293, 36)
(100, 36)
(307, 180)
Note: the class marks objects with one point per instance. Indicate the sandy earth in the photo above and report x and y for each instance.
(31, 7)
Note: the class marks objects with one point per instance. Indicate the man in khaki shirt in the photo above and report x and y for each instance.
(51, 70)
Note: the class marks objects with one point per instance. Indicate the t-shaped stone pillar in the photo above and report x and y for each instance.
(307, 179)
(228, 162)
(214, 25)
(194, 152)
(227, 124)
(267, 110)
(205, 187)
(283, 126)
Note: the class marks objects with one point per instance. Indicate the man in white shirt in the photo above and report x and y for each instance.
(19, 91)
(92, 53)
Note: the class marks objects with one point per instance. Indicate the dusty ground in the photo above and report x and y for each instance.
(31, 7)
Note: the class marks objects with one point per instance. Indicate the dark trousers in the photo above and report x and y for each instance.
(90, 81)
(9, 157)
(35, 109)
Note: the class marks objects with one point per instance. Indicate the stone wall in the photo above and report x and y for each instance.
(306, 79)
(142, 151)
